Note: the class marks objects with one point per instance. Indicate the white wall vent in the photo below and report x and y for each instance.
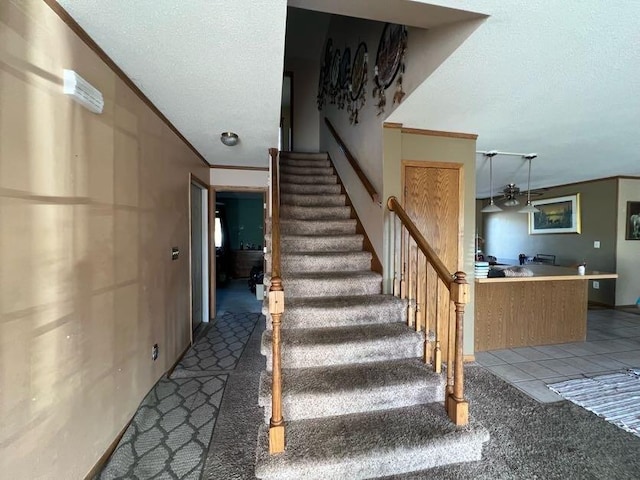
(83, 92)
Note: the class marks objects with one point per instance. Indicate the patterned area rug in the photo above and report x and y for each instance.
(170, 433)
(614, 397)
(220, 348)
(169, 436)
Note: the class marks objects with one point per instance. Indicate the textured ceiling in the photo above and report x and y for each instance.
(538, 76)
(208, 65)
(550, 77)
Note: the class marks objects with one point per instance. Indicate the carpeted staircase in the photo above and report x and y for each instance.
(357, 399)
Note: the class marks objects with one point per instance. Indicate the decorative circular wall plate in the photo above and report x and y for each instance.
(345, 69)
(359, 71)
(390, 51)
(334, 72)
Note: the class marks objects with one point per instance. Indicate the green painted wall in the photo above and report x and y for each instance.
(245, 219)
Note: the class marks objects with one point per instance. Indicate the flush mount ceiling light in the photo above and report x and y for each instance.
(492, 207)
(230, 139)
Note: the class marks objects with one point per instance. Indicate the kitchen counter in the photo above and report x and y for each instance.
(549, 307)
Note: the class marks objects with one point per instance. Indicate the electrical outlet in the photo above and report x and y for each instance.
(596, 244)
(154, 352)
(596, 284)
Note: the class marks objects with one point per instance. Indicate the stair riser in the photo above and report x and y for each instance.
(311, 189)
(304, 155)
(296, 356)
(301, 407)
(309, 179)
(305, 170)
(316, 227)
(314, 213)
(308, 263)
(351, 243)
(313, 200)
(328, 288)
(340, 317)
(292, 162)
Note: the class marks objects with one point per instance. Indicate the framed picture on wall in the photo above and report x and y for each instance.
(633, 221)
(556, 215)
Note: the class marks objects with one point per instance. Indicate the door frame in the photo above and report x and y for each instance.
(206, 251)
(213, 191)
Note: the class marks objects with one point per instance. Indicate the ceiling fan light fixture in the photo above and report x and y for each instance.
(528, 208)
(230, 139)
(511, 202)
(492, 207)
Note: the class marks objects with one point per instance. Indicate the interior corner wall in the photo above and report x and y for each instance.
(507, 234)
(399, 146)
(627, 251)
(90, 207)
(306, 127)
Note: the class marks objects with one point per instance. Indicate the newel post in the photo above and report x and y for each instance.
(457, 406)
(276, 424)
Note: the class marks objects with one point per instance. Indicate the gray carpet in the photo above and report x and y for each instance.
(528, 440)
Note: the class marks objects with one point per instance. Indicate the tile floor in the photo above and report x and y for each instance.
(612, 345)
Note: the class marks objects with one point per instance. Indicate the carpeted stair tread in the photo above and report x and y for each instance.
(301, 162)
(332, 284)
(318, 227)
(304, 348)
(318, 243)
(289, 169)
(314, 179)
(314, 261)
(324, 312)
(314, 213)
(346, 389)
(311, 189)
(370, 445)
(310, 200)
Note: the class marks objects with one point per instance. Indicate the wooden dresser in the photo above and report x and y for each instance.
(242, 261)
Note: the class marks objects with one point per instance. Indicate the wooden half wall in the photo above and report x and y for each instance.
(90, 207)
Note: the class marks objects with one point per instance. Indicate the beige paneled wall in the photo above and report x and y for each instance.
(90, 206)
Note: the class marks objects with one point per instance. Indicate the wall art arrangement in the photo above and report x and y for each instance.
(343, 78)
(556, 215)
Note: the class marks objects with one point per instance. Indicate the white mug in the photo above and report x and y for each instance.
(581, 269)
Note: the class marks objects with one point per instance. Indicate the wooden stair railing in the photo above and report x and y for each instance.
(354, 164)
(411, 282)
(276, 309)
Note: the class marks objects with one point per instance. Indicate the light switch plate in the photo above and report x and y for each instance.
(596, 284)
(596, 244)
(175, 253)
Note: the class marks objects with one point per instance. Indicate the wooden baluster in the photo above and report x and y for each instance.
(427, 316)
(437, 354)
(397, 261)
(457, 406)
(411, 281)
(419, 294)
(451, 347)
(404, 235)
(276, 425)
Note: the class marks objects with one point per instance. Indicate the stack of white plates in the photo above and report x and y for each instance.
(482, 269)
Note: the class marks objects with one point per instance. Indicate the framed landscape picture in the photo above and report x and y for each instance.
(556, 215)
(633, 221)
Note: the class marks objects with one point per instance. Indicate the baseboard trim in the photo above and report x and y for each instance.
(175, 364)
(468, 358)
(102, 461)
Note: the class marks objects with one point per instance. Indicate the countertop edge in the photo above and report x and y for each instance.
(542, 278)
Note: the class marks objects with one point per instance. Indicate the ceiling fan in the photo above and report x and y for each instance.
(511, 192)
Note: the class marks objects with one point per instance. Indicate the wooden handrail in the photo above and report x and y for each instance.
(443, 272)
(354, 163)
(276, 309)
